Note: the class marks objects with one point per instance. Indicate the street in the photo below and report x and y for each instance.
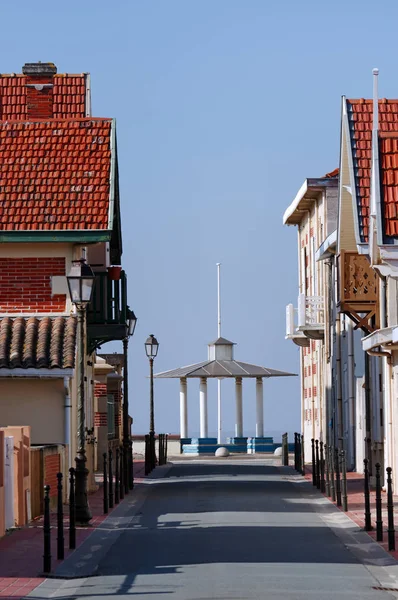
(240, 529)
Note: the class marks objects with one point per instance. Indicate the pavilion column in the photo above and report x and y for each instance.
(259, 408)
(183, 408)
(203, 407)
(239, 407)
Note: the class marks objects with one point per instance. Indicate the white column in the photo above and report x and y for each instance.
(259, 408)
(183, 408)
(239, 408)
(203, 407)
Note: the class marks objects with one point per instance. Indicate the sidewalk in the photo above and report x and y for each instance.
(356, 507)
(21, 551)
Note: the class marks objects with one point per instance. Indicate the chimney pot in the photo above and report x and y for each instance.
(39, 69)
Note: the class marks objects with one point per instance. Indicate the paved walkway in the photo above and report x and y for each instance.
(356, 507)
(226, 530)
(21, 551)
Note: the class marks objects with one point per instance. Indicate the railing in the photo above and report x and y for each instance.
(109, 303)
(311, 311)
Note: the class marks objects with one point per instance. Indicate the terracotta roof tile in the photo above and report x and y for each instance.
(68, 96)
(47, 343)
(55, 174)
(360, 115)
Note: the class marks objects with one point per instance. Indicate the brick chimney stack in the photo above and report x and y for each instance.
(39, 89)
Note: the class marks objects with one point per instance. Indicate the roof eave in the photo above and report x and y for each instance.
(305, 197)
(89, 236)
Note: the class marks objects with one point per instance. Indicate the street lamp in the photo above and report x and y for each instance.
(151, 349)
(81, 283)
(131, 322)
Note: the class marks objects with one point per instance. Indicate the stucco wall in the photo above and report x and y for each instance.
(35, 402)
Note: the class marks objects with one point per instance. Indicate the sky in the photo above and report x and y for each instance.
(223, 109)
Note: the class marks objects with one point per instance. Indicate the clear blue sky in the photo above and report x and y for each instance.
(223, 108)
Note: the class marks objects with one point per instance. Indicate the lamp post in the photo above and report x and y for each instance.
(81, 283)
(127, 445)
(151, 349)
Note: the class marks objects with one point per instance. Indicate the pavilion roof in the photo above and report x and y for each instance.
(222, 368)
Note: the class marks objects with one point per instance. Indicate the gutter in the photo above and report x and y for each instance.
(112, 176)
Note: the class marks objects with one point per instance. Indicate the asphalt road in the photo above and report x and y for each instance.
(234, 530)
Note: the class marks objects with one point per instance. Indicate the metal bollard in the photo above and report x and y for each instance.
(131, 466)
(295, 452)
(110, 480)
(47, 531)
(337, 472)
(379, 517)
(105, 485)
(121, 471)
(344, 480)
(302, 456)
(327, 479)
(72, 510)
(368, 522)
(322, 466)
(332, 480)
(117, 476)
(166, 448)
(390, 511)
(317, 472)
(60, 520)
(126, 469)
(299, 467)
(313, 462)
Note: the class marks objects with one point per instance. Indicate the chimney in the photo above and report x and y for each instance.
(39, 89)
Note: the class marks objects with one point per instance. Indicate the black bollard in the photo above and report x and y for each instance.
(72, 510)
(322, 466)
(337, 472)
(390, 511)
(110, 479)
(126, 469)
(131, 466)
(379, 517)
(295, 452)
(327, 478)
(302, 456)
(344, 480)
(105, 485)
(60, 520)
(313, 462)
(368, 522)
(121, 472)
(299, 469)
(117, 476)
(165, 451)
(331, 469)
(47, 531)
(317, 471)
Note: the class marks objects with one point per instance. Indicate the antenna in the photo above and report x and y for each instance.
(219, 299)
(219, 429)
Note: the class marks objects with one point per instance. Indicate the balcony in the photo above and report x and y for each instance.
(311, 316)
(107, 313)
(292, 332)
(358, 291)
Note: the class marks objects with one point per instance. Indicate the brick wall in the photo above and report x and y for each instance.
(25, 285)
(52, 466)
(39, 98)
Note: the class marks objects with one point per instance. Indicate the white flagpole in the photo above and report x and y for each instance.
(219, 335)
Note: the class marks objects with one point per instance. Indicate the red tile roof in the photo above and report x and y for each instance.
(67, 96)
(55, 174)
(332, 174)
(361, 121)
(38, 343)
